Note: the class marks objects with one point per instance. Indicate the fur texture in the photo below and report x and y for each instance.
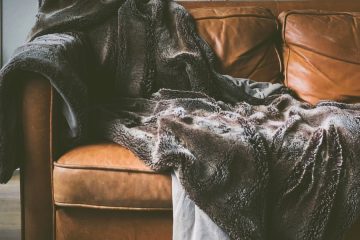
(94, 54)
(283, 170)
(62, 58)
(57, 15)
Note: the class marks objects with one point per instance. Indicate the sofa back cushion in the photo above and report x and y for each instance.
(322, 55)
(244, 40)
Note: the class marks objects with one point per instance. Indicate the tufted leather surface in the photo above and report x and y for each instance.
(244, 40)
(322, 55)
(109, 176)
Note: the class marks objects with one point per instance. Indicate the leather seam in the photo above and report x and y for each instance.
(51, 159)
(281, 67)
(287, 67)
(103, 168)
(80, 205)
(286, 80)
(277, 51)
(321, 13)
(234, 16)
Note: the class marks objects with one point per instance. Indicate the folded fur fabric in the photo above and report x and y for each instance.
(91, 50)
(266, 167)
(260, 163)
(58, 15)
(282, 170)
(63, 60)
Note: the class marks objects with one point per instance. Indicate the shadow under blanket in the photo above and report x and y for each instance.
(260, 163)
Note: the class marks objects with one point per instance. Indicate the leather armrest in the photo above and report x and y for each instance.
(36, 170)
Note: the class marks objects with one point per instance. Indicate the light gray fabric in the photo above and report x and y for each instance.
(189, 221)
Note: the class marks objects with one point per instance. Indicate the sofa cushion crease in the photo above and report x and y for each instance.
(99, 207)
(104, 168)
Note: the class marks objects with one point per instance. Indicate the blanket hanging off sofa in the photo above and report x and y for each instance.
(260, 164)
(116, 48)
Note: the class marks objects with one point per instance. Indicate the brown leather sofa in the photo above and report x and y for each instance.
(102, 191)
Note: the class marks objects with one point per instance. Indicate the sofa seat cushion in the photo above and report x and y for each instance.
(109, 176)
(322, 55)
(90, 224)
(244, 40)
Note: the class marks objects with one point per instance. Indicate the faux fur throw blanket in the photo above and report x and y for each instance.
(261, 164)
(282, 170)
(93, 50)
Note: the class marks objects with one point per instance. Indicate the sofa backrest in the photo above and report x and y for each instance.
(322, 55)
(319, 58)
(277, 6)
(244, 40)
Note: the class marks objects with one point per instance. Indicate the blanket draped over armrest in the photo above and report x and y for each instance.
(260, 163)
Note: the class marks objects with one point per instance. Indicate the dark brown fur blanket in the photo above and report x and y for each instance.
(91, 51)
(282, 170)
(261, 164)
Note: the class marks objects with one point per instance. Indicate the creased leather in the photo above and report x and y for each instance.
(324, 63)
(244, 40)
